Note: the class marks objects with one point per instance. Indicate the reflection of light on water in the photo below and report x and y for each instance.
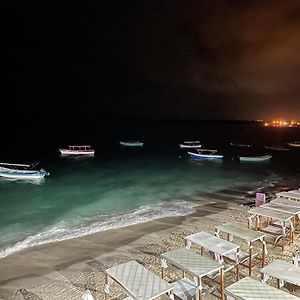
(78, 157)
(38, 181)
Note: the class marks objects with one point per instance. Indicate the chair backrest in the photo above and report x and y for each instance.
(296, 258)
(260, 199)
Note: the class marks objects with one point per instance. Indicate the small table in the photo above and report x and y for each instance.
(195, 265)
(284, 208)
(139, 282)
(251, 289)
(283, 217)
(282, 271)
(289, 195)
(286, 202)
(219, 247)
(248, 235)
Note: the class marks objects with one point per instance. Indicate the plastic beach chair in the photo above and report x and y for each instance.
(260, 199)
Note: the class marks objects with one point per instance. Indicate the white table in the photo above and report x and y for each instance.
(286, 202)
(195, 265)
(251, 289)
(219, 247)
(138, 282)
(287, 209)
(282, 271)
(249, 236)
(271, 214)
(289, 195)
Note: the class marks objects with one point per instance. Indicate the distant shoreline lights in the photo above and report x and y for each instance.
(281, 123)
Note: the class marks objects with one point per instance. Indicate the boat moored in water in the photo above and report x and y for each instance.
(240, 145)
(22, 171)
(131, 143)
(277, 148)
(190, 144)
(205, 154)
(255, 158)
(294, 144)
(77, 150)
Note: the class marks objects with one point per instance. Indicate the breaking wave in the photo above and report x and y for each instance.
(61, 231)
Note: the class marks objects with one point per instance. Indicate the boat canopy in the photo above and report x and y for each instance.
(82, 147)
(191, 142)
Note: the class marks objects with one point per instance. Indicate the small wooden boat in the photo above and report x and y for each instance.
(294, 144)
(240, 145)
(277, 148)
(190, 144)
(132, 143)
(255, 158)
(205, 154)
(77, 150)
(22, 171)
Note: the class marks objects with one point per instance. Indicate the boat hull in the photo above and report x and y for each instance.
(134, 144)
(255, 159)
(76, 152)
(17, 175)
(297, 144)
(205, 156)
(189, 147)
(276, 148)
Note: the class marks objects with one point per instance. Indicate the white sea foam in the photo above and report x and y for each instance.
(61, 232)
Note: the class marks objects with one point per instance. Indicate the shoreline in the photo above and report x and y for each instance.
(62, 270)
(35, 266)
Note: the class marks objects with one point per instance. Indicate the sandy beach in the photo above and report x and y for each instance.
(63, 270)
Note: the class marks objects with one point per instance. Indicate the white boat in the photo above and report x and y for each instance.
(132, 143)
(255, 158)
(190, 144)
(22, 171)
(294, 144)
(277, 148)
(205, 154)
(240, 145)
(77, 150)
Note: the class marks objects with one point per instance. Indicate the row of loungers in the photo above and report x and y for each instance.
(208, 258)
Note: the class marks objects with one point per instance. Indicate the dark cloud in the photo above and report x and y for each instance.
(203, 59)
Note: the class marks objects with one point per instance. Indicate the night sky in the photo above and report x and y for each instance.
(167, 59)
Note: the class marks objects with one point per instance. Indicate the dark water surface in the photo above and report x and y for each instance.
(122, 186)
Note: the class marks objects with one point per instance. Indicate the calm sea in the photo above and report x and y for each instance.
(122, 186)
